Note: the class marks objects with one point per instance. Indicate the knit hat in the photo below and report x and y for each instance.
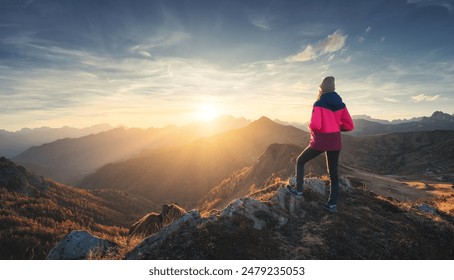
(327, 85)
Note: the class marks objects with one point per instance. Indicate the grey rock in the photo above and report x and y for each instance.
(79, 244)
(288, 202)
(315, 184)
(260, 213)
(427, 209)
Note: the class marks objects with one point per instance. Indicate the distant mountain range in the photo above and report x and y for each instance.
(14, 143)
(84, 155)
(398, 121)
(176, 165)
(367, 126)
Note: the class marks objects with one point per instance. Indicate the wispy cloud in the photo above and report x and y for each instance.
(439, 3)
(260, 21)
(333, 43)
(423, 97)
(388, 99)
(161, 41)
(362, 38)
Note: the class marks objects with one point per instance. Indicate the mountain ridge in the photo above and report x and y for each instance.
(437, 121)
(13, 143)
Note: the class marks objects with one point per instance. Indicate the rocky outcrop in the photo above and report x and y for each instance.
(153, 241)
(262, 212)
(153, 222)
(80, 245)
(247, 222)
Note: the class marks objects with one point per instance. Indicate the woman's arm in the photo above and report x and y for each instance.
(346, 121)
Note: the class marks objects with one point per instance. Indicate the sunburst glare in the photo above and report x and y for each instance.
(207, 112)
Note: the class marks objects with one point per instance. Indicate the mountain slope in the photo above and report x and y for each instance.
(66, 160)
(278, 161)
(36, 213)
(401, 153)
(185, 174)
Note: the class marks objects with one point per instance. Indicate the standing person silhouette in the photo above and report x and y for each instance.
(329, 117)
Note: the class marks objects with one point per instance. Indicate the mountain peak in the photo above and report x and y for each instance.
(439, 115)
(263, 122)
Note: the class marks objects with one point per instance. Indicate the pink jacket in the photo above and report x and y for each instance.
(329, 117)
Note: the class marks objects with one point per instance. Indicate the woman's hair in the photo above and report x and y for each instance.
(320, 93)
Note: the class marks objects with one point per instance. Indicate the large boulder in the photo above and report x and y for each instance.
(80, 245)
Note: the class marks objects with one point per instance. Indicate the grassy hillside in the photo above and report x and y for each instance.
(36, 213)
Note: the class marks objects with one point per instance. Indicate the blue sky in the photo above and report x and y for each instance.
(151, 63)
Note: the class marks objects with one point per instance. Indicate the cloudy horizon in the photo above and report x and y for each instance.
(152, 63)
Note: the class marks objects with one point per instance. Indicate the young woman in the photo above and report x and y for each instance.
(329, 117)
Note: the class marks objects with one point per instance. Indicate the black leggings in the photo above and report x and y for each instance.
(332, 163)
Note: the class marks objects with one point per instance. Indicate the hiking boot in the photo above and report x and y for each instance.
(293, 191)
(330, 208)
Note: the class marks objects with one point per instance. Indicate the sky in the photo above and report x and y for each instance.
(150, 63)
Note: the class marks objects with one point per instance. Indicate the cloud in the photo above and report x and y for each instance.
(362, 38)
(328, 46)
(393, 100)
(309, 53)
(438, 3)
(160, 41)
(423, 97)
(260, 21)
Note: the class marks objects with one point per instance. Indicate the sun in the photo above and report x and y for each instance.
(207, 112)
